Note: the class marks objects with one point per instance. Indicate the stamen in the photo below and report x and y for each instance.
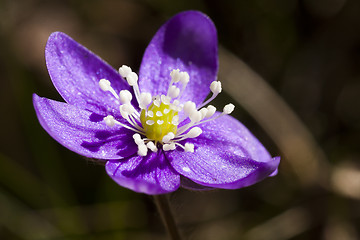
(124, 71)
(175, 76)
(215, 88)
(142, 150)
(165, 99)
(159, 114)
(145, 99)
(168, 137)
(151, 146)
(109, 121)
(169, 146)
(173, 91)
(229, 108)
(105, 85)
(125, 97)
(211, 110)
(189, 147)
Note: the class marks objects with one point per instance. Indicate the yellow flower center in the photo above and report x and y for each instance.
(158, 121)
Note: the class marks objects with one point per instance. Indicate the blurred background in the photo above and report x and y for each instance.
(292, 68)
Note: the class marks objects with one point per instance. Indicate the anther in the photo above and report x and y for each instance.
(168, 137)
(132, 78)
(125, 97)
(109, 121)
(165, 99)
(145, 99)
(124, 71)
(175, 75)
(215, 87)
(211, 110)
(142, 150)
(169, 146)
(173, 91)
(229, 108)
(104, 84)
(195, 116)
(150, 145)
(184, 78)
(137, 139)
(189, 147)
(193, 133)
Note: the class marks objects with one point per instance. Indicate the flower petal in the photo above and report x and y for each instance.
(76, 72)
(188, 42)
(82, 131)
(226, 155)
(151, 174)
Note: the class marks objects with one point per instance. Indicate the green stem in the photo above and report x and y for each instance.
(163, 206)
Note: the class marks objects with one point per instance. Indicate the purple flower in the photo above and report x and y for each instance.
(154, 130)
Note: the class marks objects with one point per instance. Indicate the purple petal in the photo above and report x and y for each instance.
(82, 131)
(188, 42)
(226, 155)
(151, 174)
(76, 72)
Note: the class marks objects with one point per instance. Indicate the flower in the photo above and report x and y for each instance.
(154, 130)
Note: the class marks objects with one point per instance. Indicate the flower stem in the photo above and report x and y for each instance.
(163, 206)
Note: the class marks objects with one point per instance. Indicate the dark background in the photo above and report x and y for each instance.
(300, 97)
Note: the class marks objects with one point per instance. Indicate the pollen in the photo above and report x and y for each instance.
(158, 125)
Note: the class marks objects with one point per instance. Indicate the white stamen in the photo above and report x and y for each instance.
(165, 99)
(184, 78)
(150, 113)
(125, 97)
(173, 92)
(168, 137)
(109, 121)
(189, 147)
(211, 110)
(104, 84)
(145, 99)
(203, 112)
(166, 111)
(169, 146)
(160, 122)
(215, 87)
(132, 79)
(175, 75)
(124, 71)
(137, 139)
(159, 114)
(189, 107)
(142, 150)
(193, 133)
(229, 108)
(151, 146)
(126, 109)
(195, 116)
